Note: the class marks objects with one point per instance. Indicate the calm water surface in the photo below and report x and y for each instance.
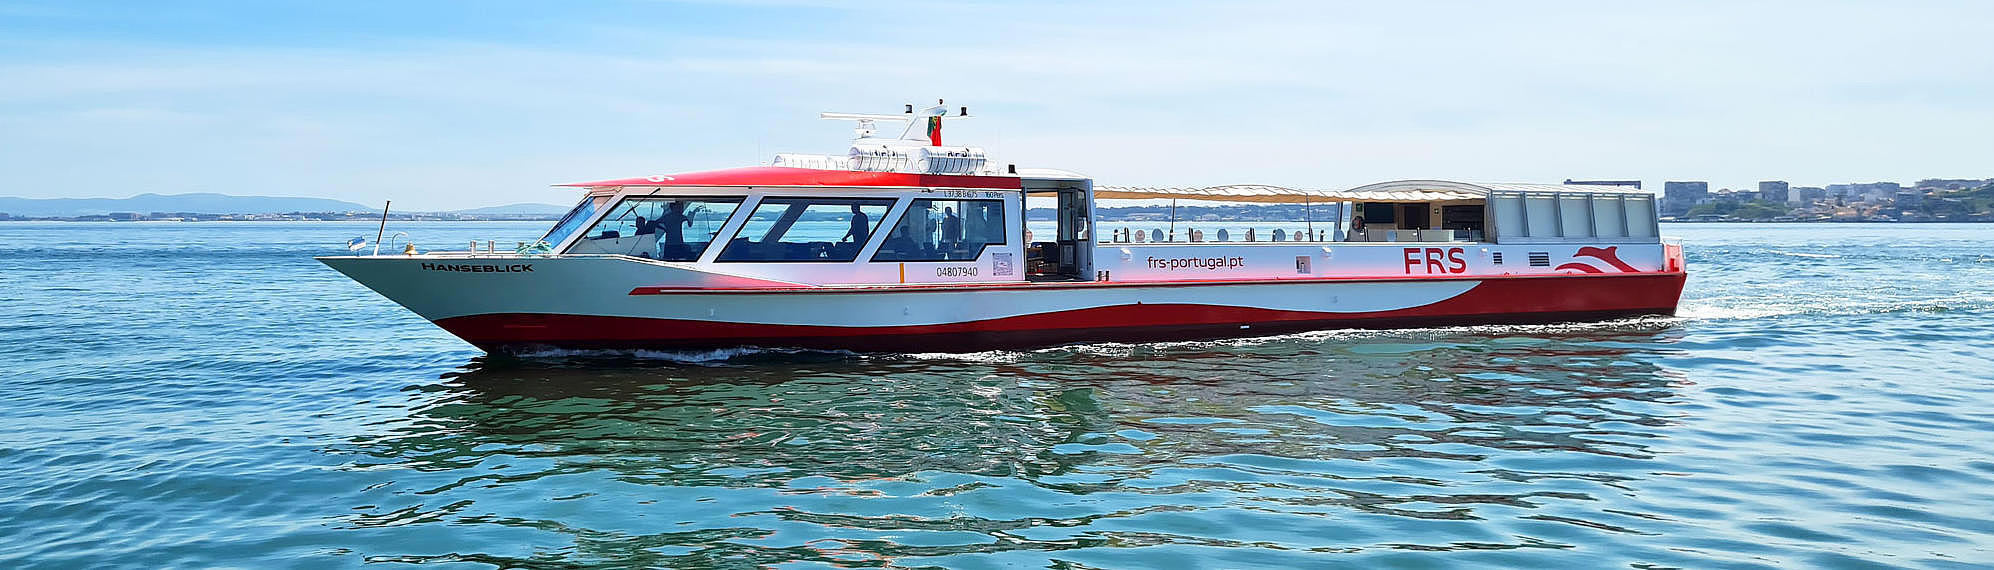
(201, 395)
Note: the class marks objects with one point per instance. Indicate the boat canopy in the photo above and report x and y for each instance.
(1450, 190)
(1403, 191)
(1233, 193)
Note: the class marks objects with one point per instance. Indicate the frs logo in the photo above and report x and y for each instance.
(1434, 260)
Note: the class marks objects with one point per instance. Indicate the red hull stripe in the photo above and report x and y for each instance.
(1047, 285)
(1496, 301)
(783, 176)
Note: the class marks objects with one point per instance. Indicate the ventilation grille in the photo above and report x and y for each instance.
(1496, 257)
(1540, 259)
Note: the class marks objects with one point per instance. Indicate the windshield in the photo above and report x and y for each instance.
(662, 228)
(571, 222)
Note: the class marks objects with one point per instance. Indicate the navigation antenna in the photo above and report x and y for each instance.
(868, 123)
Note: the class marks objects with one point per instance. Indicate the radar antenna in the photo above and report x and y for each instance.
(868, 123)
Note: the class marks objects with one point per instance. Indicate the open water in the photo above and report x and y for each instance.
(206, 395)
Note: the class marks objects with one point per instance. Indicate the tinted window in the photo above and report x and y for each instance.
(944, 230)
(807, 229)
(670, 228)
(571, 222)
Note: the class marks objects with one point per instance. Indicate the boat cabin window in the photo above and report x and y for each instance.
(807, 229)
(1465, 219)
(1379, 215)
(668, 228)
(944, 230)
(571, 222)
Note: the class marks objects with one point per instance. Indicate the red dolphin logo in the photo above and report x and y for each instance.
(1609, 255)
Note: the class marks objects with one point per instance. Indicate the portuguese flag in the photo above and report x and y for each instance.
(935, 131)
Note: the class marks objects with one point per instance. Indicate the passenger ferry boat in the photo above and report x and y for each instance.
(906, 244)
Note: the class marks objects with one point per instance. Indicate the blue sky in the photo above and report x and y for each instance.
(445, 105)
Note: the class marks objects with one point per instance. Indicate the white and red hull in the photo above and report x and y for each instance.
(588, 303)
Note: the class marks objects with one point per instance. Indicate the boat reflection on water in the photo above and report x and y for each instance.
(844, 459)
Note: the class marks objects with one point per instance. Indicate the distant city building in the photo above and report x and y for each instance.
(1952, 183)
(1908, 200)
(1810, 194)
(1736, 195)
(1775, 191)
(1877, 191)
(1679, 197)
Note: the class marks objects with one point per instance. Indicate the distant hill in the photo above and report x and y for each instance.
(204, 203)
(517, 209)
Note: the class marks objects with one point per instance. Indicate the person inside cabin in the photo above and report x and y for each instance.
(1356, 229)
(951, 229)
(861, 226)
(645, 227)
(900, 245)
(994, 224)
(672, 223)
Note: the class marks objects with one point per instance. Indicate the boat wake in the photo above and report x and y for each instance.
(1729, 309)
(1632, 325)
(720, 356)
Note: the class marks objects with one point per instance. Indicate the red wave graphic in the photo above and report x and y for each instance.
(1581, 267)
(1609, 255)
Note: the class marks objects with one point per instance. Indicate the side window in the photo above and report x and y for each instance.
(944, 230)
(807, 229)
(663, 228)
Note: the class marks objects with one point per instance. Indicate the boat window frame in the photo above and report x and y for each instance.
(1004, 234)
(617, 201)
(588, 202)
(741, 225)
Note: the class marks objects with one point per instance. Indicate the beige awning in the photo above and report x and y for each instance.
(1234, 193)
(1281, 195)
(1396, 191)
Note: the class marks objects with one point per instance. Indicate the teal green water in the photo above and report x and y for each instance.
(203, 395)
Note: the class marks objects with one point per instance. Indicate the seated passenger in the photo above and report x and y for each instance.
(645, 227)
(899, 246)
(1356, 229)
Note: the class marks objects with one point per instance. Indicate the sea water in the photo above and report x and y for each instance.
(204, 394)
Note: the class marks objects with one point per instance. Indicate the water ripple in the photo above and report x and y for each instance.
(252, 409)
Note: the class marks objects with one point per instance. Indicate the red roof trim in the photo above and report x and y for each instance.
(782, 176)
